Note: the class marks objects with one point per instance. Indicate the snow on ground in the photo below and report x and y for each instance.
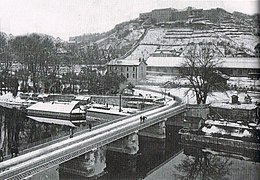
(214, 97)
(142, 51)
(154, 36)
(150, 94)
(158, 79)
(112, 109)
(134, 35)
(248, 41)
(8, 97)
(238, 81)
(164, 78)
(146, 93)
(243, 82)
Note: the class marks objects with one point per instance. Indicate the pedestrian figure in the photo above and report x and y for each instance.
(90, 126)
(1, 155)
(71, 132)
(141, 119)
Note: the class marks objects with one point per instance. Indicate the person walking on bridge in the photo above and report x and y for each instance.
(71, 132)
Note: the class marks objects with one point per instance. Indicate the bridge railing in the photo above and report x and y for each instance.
(25, 148)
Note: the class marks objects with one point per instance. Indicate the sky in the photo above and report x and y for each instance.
(65, 18)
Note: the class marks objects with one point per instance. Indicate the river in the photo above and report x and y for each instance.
(168, 159)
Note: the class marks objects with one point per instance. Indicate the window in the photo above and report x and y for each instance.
(127, 75)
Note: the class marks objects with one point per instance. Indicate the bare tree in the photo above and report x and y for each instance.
(200, 68)
(205, 166)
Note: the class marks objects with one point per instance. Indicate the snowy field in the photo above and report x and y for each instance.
(242, 82)
(214, 97)
(142, 51)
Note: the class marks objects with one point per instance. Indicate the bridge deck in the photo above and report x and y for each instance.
(64, 150)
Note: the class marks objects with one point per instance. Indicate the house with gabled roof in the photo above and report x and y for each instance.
(133, 70)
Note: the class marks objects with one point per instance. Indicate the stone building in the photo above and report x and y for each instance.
(133, 70)
(161, 15)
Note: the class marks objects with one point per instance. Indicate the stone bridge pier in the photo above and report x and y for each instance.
(128, 144)
(91, 164)
(156, 131)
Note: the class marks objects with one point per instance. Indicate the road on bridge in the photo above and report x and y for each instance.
(39, 160)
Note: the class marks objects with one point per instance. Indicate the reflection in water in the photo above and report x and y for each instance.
(203, 165)
(152, 152)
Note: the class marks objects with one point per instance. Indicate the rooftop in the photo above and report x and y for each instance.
(234, 106)
(61, 107)
(240, 62)
(124, 62)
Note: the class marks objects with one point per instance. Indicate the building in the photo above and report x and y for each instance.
(133, 70)
(161, 15)
(238, 112)
(62, 113)
(170, 14)
(234, 67)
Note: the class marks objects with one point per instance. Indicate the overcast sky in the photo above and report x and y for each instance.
(65, 18)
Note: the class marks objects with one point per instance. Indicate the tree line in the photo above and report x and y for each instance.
(41, 57)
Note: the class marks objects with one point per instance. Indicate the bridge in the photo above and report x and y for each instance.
(62, 151)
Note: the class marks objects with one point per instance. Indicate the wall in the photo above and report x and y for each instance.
(141, 71)
(133, 73)
(198, 110)
(234, 114)
(161, 15)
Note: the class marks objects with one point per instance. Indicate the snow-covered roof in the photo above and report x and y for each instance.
(164, 61)
(241, 62)
(62, 107)
(226, 124)
(82, 98)
(234, 106)
(120, 62)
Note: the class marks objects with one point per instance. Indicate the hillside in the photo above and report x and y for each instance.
(233, 33)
